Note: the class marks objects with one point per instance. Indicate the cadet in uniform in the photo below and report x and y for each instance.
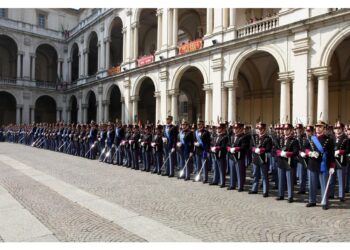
(157, 145)
(186, 148)
(202, 147)
(169, 140)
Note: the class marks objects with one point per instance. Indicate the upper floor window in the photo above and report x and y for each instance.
(3, 12)
(42, 20)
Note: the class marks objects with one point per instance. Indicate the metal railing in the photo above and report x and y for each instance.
(257, 27)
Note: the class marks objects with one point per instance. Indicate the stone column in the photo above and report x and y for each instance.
(106, 110)
(59, 68)
(225, 13)
(208, 103)
(158, 105)
(99, 57)
(124, 44)
(32, 111)
(108, 52)
(33, 67)
(99, 113)
(209, 21)
(285, 100)
(18, 113)
(175, 26)
(128, 113)
(69, 70)
(123, 109)
(80, 107)
(224, 105)
(19, 65)
(135, 27)
(174, 104)
(159, 29)
(170, 27)
(85, 107)
(232, 101)
(233, 12)
(322, 93)
(68, 111)
(86, 63)
(135, 100)
(58, 118)
(311, 95)
(81, 62)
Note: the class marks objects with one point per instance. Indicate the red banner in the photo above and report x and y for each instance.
(191, 46)
(113, 71)
(145, 60)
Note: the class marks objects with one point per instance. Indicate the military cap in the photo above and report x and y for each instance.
(321, 123)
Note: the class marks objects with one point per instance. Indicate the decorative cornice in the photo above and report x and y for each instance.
(157, 94)
(285, 76)
(301, 46)
(173, 92)
(322, 72)
(134, 98)
(217, 64)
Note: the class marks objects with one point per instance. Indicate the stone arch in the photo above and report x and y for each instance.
(8, 57)
(74, 56)
(136, 87)
(45, 109)
(116, 41)
(332, 44)
(245, 54)
(92, 45)
(91, 102)
(73, 108)
(182, 69)
(48, 42)
(46, 63)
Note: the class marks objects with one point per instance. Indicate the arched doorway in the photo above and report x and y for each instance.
(7, 108)
(92, 109)
(46, 64)
(73, 109)
(191, 101)
(115, 106)
(75, 63)
(8, 58)
(339, 87)
(45, 109)
(116, 47)
(191, 24)
(258, 92)
(147, 102)
(147, 43)
(93, 54)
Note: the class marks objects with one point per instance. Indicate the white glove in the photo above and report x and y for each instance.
(172, 150)
(284, 154)
(191, 154)
(331, 171)
(178, 144)
(142, 143)
(257, 151)
(302, 154)
(139, 140)
(336, 153)
(113, 146)
(165, 140)
(213, 149)
(232, 150)
(153, 144)
(196, 144)
(130, 141)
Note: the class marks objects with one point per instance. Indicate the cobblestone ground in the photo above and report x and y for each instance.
(199, 210)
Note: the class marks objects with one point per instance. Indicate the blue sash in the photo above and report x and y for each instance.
(199, 139)
(324, 154)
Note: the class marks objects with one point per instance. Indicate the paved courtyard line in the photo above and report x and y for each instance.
(142, 226)
(18, 224)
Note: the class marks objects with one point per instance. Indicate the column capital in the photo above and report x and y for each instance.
(208, 87)
(60, 60)
(124, 30)
(18, 106)
(173, 92)
(122, 99)
(86, 51)
(69, 60)
(128, 12)
(134, 98)
(322, 72)
(19, 53)
(100, 90)
(159, 12)
(84, 106)
(59, 109)
(285, 77)
(32, 55)
(157, 94)
(32, 106)
(107, 39)
(135, 25)
(105, 102)
(230, 84)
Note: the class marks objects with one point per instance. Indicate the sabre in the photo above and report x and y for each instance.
(165, 161)
(103, 151)
(107, 155)
(68, 147)
(35, 141)
(21, 140)
(41, 143)
(183, 170)
(92, 146)
(38, 142)
(62, 146)
(200, 171)
(323, 202)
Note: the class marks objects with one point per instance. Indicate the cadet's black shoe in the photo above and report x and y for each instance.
(301, 192)
(186, 179)
(222, 186)
(325, 207)
(170, 176)
(164, 175)
(341, 199)
(265, 195)
(230, 188)
(158, 173)
(280, 198)
(240, 190)
(252, 192)
(331, 197)
(290, 200)
(205, 182)
(311, 205)
(211, 184)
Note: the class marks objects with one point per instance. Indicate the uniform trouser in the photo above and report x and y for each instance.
(171, 162)
(283, 176)
(215, 168)
(260, 170)
(234, 171)
(135, 159)
(240, 173)
(274, 170)
(314, 177)
(128, 157)
(158, 162)
(92, 153)
(221, 163)
(186, 162)
(204, 165)
(346, 172)
(339, 175)
(120, 155)
(146, 159)
(302, 173)
(198, 163)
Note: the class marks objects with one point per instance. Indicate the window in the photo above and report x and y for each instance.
(42, 20)
(3, 12)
